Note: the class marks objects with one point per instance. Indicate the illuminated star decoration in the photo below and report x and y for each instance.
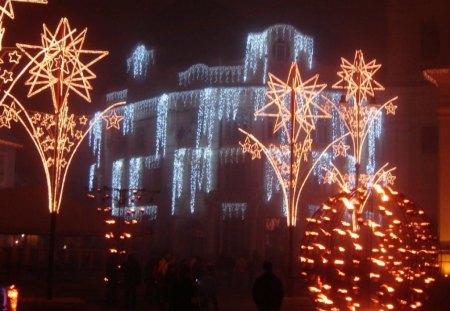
(390, 108)
(279, 106)
(357, 77)
(340, 149)
(58, 64)
(294, 104)
(7, 9)
(112, 120)
(62, 65)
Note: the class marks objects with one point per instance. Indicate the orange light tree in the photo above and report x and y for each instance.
(368, 246)
(295, 106)
(62, 65)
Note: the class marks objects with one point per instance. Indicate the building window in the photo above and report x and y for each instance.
(281, 51)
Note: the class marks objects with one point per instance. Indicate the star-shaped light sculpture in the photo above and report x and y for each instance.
(113, 120)
(357, 77)
(390, 108)
(61, 64)
(340, 149)
(14, 57)
(355, 111)
(293, 96)
(295, 106)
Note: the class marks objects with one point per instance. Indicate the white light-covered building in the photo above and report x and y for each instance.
(182, 146)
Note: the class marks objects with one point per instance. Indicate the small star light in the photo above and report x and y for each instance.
(6, 76)
(14, 57)
(246, 145)
(390, 108)
(340, 149)
(58, 64)
(112, 120)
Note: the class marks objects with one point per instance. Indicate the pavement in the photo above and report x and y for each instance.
(85, 291)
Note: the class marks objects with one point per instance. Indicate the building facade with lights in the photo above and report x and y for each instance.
(204, 196)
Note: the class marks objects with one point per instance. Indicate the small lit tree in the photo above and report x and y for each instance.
(62, 65)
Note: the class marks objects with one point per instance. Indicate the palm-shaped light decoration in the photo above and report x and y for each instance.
(368, 246)
(62, 65)
(6, 9)
(295, 106)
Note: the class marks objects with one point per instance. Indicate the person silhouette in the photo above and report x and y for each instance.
(268, 290)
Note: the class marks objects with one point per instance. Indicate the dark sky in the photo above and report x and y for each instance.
(191, 31)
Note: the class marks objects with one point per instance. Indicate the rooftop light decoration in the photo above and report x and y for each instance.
(367, 247)
(61, 65)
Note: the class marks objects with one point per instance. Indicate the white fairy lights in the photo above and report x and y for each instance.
(204, 74)
(139, 61)
(234, 210)
(259, 47)
(224, 97)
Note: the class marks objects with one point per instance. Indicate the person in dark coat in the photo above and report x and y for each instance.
(268, 290)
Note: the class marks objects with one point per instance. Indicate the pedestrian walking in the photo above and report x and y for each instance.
(268, 290)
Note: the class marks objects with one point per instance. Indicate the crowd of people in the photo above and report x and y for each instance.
(174, 284)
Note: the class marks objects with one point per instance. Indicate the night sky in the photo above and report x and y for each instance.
(189, 31)
(206, 31)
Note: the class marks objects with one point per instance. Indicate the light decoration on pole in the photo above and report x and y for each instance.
(61, 65)
(369, 246)
(294, 105)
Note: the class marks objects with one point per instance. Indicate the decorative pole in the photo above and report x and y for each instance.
(61, 65)
(294, 105)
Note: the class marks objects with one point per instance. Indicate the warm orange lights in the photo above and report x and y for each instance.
(294, 106)
(382, 263)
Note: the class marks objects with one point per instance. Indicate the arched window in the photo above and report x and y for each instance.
(430, 42)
